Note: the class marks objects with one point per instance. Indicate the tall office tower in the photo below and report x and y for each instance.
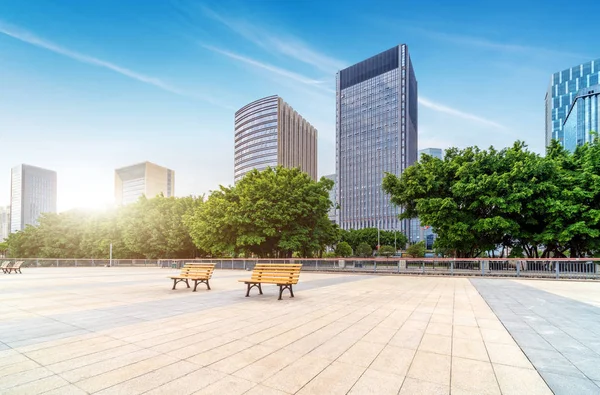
(376, 132)
(565, 87)
(333, 212)
(4, 222)
(32, 192)
(268, 132)
(582, 119)
(146, 179)
(418, 232)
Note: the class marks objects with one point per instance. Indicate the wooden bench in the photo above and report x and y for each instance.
(4, 266)
(283, 275)
(14, 268)
(198, 272)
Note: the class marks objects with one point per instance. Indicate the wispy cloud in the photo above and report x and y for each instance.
(283, 72)
(279, 43)
(494, 45)
(457, 113)
(30, 38)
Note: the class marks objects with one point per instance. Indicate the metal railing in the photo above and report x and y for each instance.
(564, 268)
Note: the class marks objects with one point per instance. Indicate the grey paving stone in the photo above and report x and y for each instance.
(552, 361)
(567, 385)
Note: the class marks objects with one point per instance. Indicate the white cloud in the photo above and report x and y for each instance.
(30, 38)
(457, 113)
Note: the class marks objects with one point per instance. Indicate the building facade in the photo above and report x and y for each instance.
(143, 179)
(582, 120)
(564, 87)
(418, 232)
(32, 192)
(376, 132)
(268, 133)
(333, 211)
(4, 222)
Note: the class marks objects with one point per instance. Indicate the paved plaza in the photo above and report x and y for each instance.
(124, 331)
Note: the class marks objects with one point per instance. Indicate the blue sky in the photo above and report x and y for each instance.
(89, 86)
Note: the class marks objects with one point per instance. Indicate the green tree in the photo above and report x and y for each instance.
(3, 247)
(370, 236)
(386, 251)
(416, 250)
(269, 213)
(364, 250)
(343, 249)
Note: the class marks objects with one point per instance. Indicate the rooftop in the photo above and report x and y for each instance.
(123, 330)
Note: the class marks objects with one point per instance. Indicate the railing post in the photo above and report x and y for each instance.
(398, 266)
(374, 266)
(244, 264)
(452, 266)
(423, 267)
(482, 268)
(316, 265)
(518, 268)
(57, 263)
(557, 264)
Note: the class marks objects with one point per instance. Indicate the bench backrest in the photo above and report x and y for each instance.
(204, 270)
(5, 264)
(17, 265)
(274, 272)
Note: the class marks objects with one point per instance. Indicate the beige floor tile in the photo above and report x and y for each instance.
(468, 348)
(466, 332)
(23, 378)
(297, 375)
(38, 386)
(394, 360)
(242, 359)
(430, 367)
(407, 338)
(436, 343)
(189, 383)
(216, 354)
(69, 389)
(490, 323)
(264, 390)
(442, 318)
(229, 385)
(436, 328)
(337, 378)
(267, 366)
(362, 353)
(377, 383)
(18, 367)
(419, 387)
(381, 334)
(519, 381)
(475, 376)
(333, 348)
(508, 354)
(497, 336)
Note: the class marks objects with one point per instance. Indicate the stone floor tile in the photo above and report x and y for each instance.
(508, 354)
(407, 339)
(216, 354)
(38, 386)
(229, 385)
(566, 385)
(18, 367)
(518, 381)
(263, 390)
(475, 376)
(496, 336)
(188, 384)
(362, 353)
(430, 367)
(23, 378)
(296, 375)
(394, 360)
(419, 387)
(436, 344)
(490, 324)
(337, 378)
(377, 383)
(471, 349)
(442, 329)
(552, 361)
(466, 332)
(69, 389)
(267, 366)
(242, 359)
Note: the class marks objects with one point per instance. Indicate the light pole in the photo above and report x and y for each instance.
(378, 238)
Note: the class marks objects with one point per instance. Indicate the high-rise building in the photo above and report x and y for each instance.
(582, 119)
(4, 222)
(32, 192)
(376, 132)
(565, 87)
(333, 211)
(268, 132)
(418, 232)
(143, 179)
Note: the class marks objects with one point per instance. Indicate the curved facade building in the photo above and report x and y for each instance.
(268, 132)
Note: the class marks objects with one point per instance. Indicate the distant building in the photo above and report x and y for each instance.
(567, 87)
(582, 118)
(4, 222)
(143, 179)
(376, 132)
(418, 232)
(333, 211)
(268, 133)
(32, 192)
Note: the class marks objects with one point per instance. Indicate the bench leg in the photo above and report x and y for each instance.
(252, 285)
(180, 280)
(196, 282)
(283, 287)
(187, 283)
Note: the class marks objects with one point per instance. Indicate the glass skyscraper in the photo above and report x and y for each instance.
(564, 87)
(376, 132)
(32, 193)
(269, 132)
(582, 118)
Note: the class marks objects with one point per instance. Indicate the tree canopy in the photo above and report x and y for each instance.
(269, 213)
(478, 201)
(355, 237)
